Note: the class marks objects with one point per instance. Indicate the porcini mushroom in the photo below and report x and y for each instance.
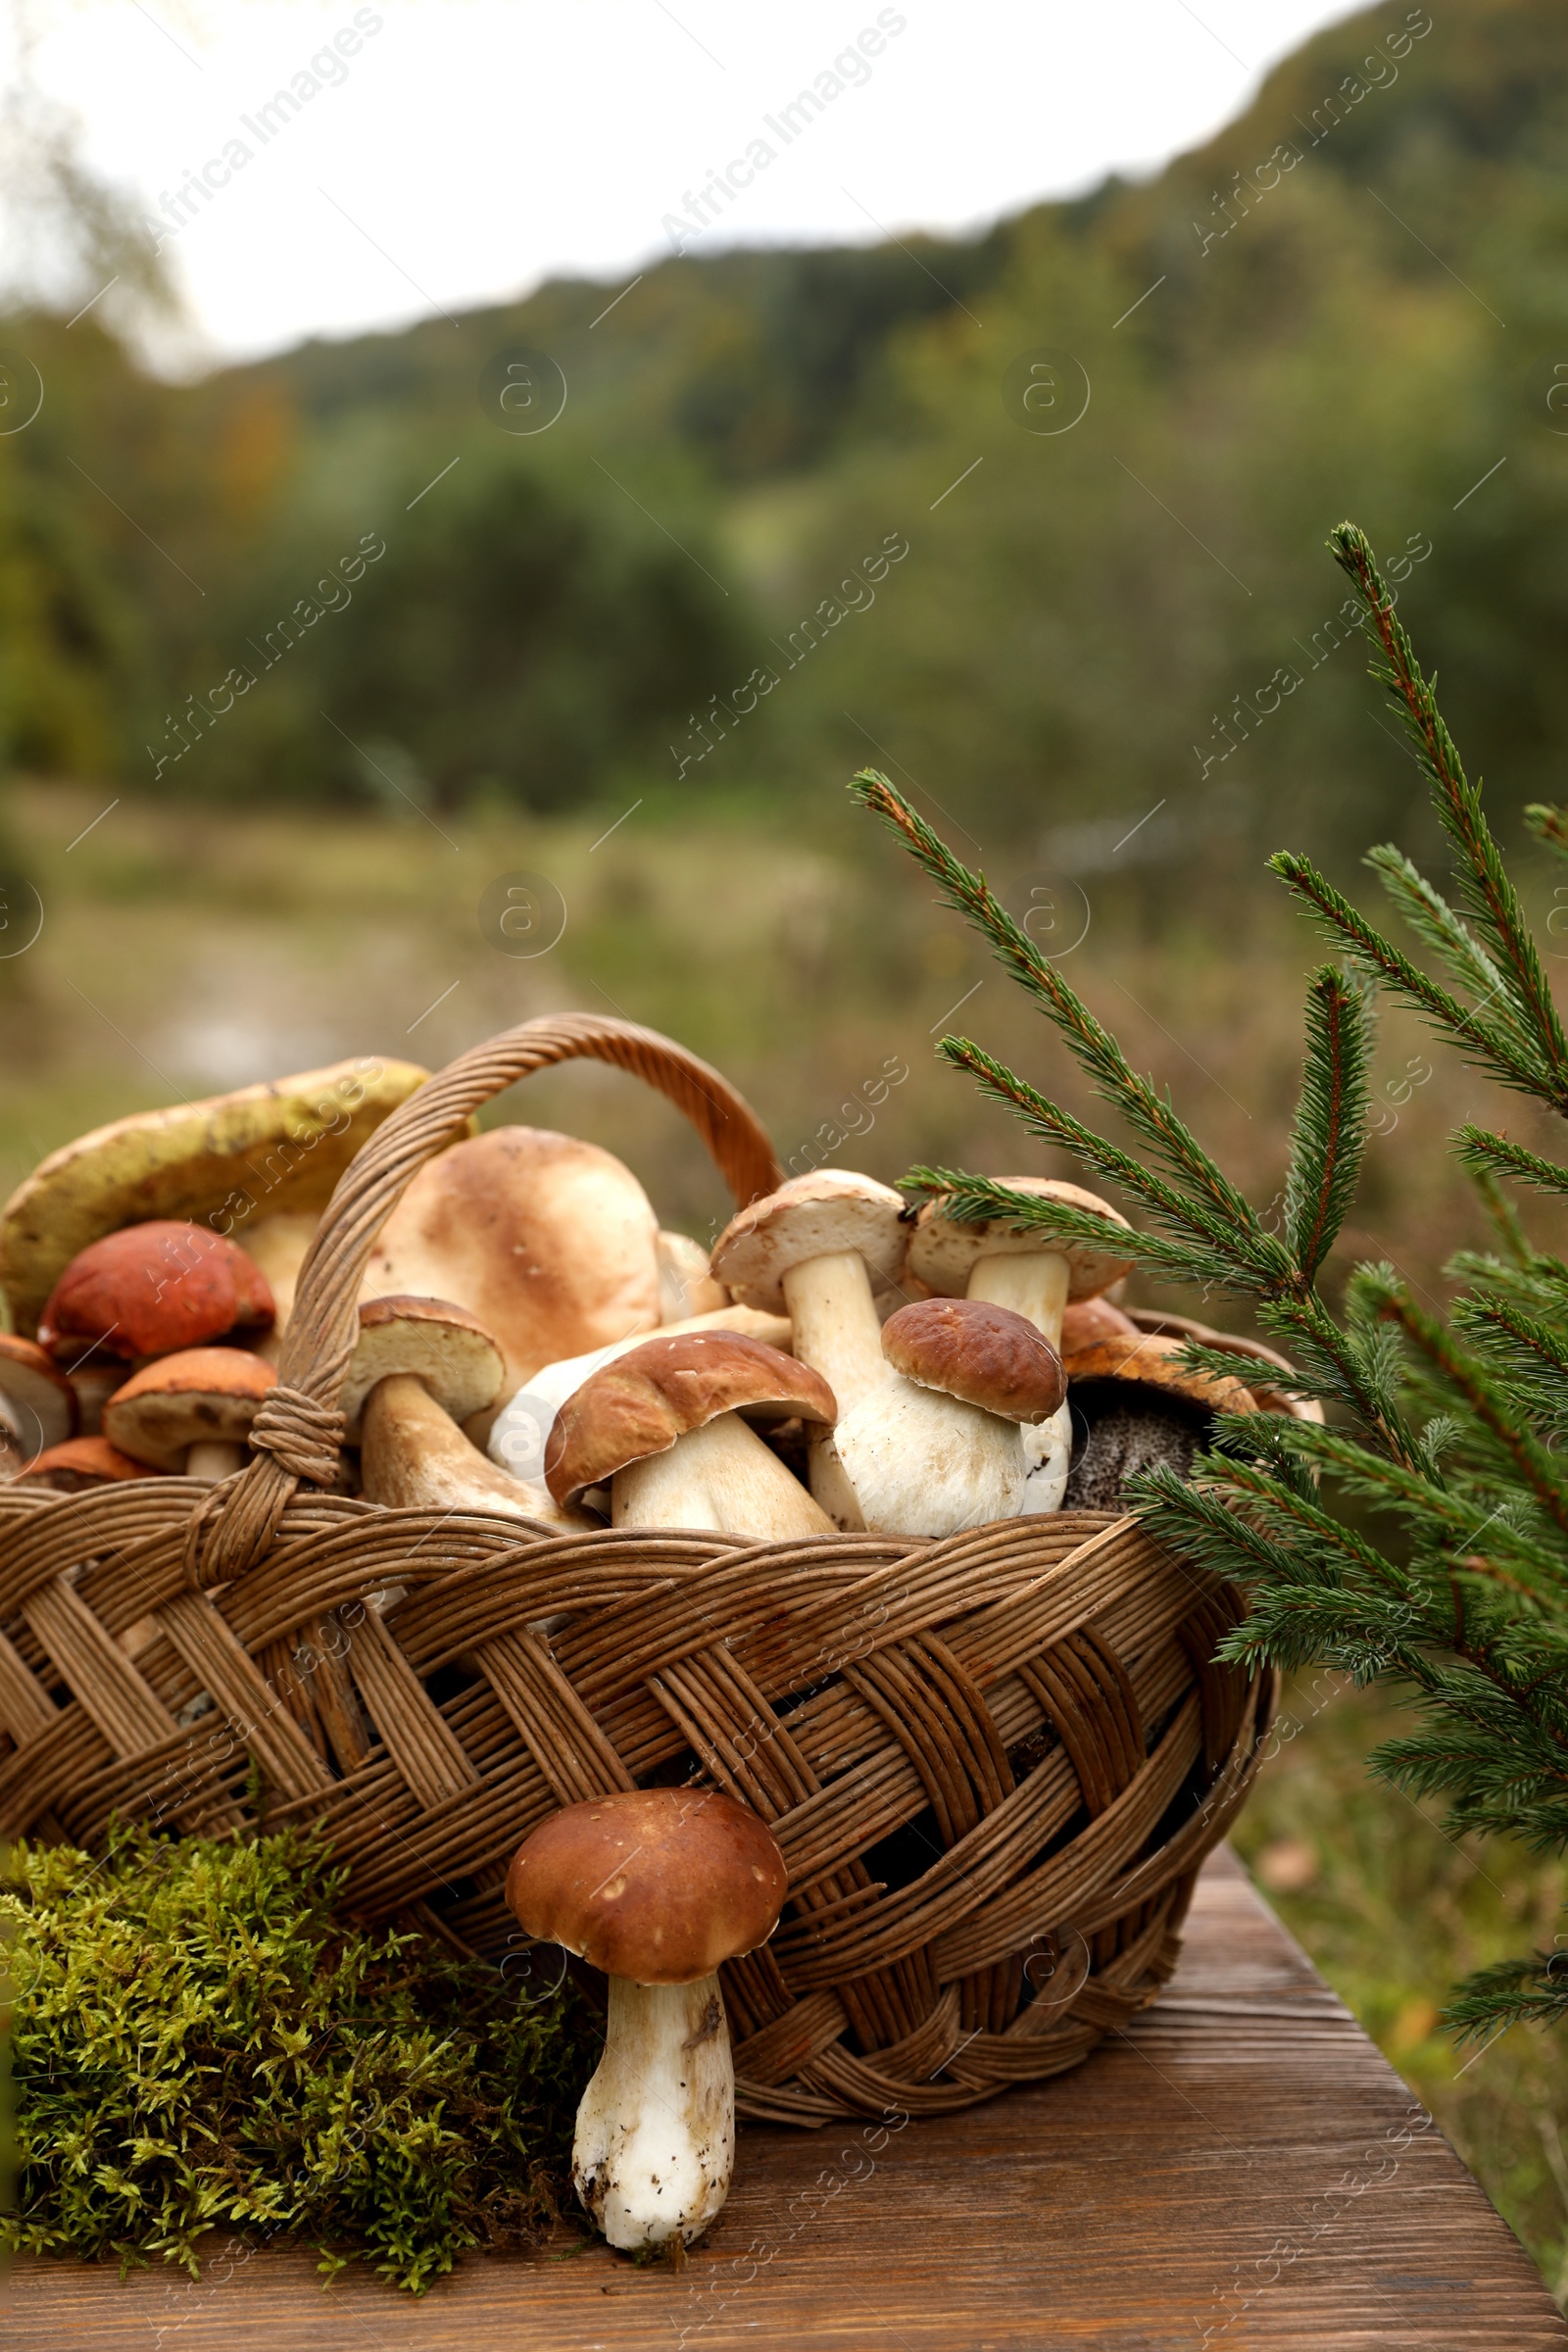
(518, 1432)
(1084, 1322)
(1025, 1268)
(1139, 1405)
(419, 1367)
(937, 1446)
(79, 1463)
(656, 1887)
(220, 1162)
(279, 1244)
(665, 1427)
(551, 1239)
(190, 1412)
(810, 1251)
(150, 1290)
(37, 1403)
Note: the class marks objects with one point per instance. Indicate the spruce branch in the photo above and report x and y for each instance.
(1329, 1138)
(1486, 1155)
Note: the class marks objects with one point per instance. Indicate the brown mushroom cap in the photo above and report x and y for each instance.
(1084, 1322)
(40, 1401)
(818, 1215)
(81, 1462)
(984, 1355)
(202, 1394)
(642, 1401)
(658, 1884)
(442, 1345)
(152, 1289)
(1149, 1360)
(549, 1240)
(943, 1252)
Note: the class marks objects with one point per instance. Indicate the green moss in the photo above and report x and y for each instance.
(198, 2044)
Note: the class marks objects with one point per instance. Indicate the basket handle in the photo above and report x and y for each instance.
(298, 1432)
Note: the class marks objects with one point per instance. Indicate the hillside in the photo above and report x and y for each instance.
(678, 584)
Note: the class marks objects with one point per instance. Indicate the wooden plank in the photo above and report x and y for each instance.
(1240, 2170)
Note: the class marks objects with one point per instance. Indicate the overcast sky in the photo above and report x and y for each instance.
(435, 153)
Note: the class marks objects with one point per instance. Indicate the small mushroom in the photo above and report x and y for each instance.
(939, 1445)
(686, 1284)
(37, 1403)
(1022, 1268)
(79, 1463)
(190, 1412)
(518, 1434)
(419, 1367)
(153, 1289)
(810, 1251)
(665, 1427)
(657, 1887)
(1139, 1406)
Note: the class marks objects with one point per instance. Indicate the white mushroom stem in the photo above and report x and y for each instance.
(414, 1457)
(721, 1476)
(1035, 1285)
(654, 2144)
(923, 1464)
(212, 1459)
(838, 1331)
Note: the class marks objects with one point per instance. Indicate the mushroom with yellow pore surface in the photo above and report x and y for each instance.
(810, 1251)
(190, 1413)
(419, 1366)
(656, 1887)
(665, 1427)
(1025, 1268)
(938, 1446)
(223, 1163)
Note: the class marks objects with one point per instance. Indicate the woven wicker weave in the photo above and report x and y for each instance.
(994, 1763)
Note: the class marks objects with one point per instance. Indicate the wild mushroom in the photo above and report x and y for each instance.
(190, 1412)
(937, 1446)
(37, 1403)
(686, 1284)
(279, 1244)
(150, 1290)
(665, 1427)
(810, 1251)
(549, 1240)
(79, 1463)
(419, 1367)
(520, 1432)
(656, 1887)
(1023, 1268)
(1084, 1322)
(220, 1162)
(1140, 1406)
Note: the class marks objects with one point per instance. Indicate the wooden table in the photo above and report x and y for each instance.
(1242, 2171)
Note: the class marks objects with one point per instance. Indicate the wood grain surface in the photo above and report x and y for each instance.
(1241, 2170)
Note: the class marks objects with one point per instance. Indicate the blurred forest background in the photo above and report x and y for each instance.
(803, 511)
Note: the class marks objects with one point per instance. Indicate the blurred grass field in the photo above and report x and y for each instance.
(183, 953)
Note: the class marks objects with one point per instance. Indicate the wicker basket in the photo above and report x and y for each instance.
(994, 1762)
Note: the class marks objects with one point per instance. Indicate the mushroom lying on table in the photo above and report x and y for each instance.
(1139, 1407)
(665, 1427)
(938, 1446)
(37, 1403)
(810, 1251)
(153, 1289)
(419, 1367)
(656, 1886)
(1023, 1268)
(190, 1413)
